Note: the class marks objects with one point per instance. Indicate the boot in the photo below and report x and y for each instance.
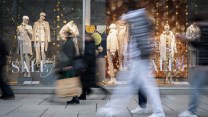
(74, 100)
(82, 97)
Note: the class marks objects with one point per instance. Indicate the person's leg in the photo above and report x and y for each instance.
(43, 56)
(142, 98)
(198, 82)
(37, 51)
(7, 92)
(84, 93)
(149, 87)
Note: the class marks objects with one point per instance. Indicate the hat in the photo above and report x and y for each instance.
(101, 28)
(97, 38)
(72, 28)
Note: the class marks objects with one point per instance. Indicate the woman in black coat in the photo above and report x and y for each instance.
(88, 76)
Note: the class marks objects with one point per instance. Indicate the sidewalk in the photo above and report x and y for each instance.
(38, 105)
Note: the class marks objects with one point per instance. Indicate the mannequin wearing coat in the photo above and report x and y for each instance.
(41, 37)
(112, 48)
(192, 33)
(24, 36)
(167, 49)
(122, 27)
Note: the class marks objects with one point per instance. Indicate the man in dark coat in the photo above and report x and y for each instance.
(6, 90)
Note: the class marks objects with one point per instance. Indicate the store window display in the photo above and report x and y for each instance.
(192, 34)
(41, 37)
(112, 48)
(167, 48)
(24, 36)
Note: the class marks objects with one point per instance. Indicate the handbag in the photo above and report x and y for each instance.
(68, 87)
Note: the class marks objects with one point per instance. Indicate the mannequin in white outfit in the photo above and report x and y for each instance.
(112, 48)
(24, 36)
(192, 33)
(167, 49)
(122, 27)
(41, 37)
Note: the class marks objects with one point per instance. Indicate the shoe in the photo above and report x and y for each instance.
(112, 81)
(157, 115)
(187, 114)
(8, 97)
(73, 101)
(82, 97)
(139, 110)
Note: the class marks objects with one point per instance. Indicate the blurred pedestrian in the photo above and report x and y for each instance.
(88, 76)
(198, 78)
(139, 52)
(68, 53)
(7, 92)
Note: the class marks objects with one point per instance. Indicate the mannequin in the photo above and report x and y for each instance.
(192, 33)
(24, 36)
(41, 37)
(167, 49)
(122, 27)
(73, 29)
(112, 48)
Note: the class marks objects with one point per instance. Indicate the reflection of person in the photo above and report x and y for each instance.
(167, 48)
(112, 48)
(41, 37)
(192, 33)
(198, 77)
(6, 90)
(24, 35)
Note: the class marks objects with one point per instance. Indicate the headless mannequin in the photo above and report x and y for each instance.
(112, 47)
(167, 50)
(24, 35)
(41, 37)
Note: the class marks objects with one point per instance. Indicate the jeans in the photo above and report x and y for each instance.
(198, 81)
(139, 78)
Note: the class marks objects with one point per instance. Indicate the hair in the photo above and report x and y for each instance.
(25, 17)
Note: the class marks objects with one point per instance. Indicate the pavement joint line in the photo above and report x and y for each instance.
(44, 111)
(168, 106)
(42, 101)
(129, 112)
(169, 98)
(202, 108)
(96, 107)
(21, 98)
(13, 110)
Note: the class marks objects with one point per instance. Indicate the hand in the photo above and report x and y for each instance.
(100, 49)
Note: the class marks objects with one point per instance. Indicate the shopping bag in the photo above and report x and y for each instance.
(68, 87)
